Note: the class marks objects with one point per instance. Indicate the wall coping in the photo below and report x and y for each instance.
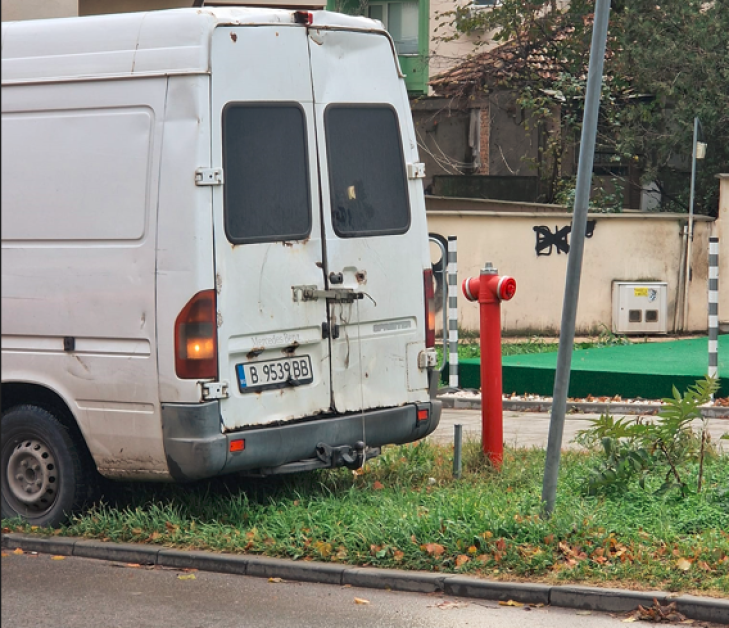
(722, 175)
(636, 215)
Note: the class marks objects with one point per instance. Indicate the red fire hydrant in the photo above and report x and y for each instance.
(489, 289)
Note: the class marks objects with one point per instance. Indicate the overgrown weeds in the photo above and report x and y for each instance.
(640, 449)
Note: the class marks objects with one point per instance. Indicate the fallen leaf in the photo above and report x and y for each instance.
(462, 560)
(189, 576)
(703, 565)
(583, 613)
(360, 600)
(683, 564)
(378, 486)
(276, 580)
(18, 551)
(58, 558)
(510, 603)
(434, 549)
(4, 554)
(447, 605)
(629, 620)
(398, 555)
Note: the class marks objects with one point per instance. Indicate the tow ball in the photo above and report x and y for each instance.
(350, 457)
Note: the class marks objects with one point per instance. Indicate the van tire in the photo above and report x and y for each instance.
(43, 478)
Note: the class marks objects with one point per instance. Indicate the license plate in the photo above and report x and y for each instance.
(294, 371)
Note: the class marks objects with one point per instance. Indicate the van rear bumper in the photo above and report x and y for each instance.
(195, 447)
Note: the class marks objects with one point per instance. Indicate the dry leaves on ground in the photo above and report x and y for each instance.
(447, 605)
(657, 613)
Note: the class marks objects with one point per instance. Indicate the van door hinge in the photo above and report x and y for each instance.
(214, 390)
(209, 176)
(416, 171)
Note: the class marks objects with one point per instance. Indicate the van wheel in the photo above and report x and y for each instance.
(42, 472)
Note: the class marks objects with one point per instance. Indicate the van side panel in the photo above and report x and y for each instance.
(78, 258)
(185, 259)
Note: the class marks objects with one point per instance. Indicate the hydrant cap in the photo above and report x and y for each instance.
(470, 291)
(507, 288)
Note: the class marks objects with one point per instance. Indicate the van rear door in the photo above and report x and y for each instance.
(267, 227)
(373, 218)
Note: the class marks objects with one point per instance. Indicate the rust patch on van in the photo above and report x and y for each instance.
(255, 352)
(234, 37)
(291, 348)
(288, 244)
(361, 276)
(319, 265)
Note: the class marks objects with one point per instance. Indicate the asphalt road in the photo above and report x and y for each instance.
(39, 592)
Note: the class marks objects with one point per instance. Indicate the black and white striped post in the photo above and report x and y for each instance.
(452, 312)
(713, 307)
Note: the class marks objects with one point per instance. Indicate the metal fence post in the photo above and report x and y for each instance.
(713, 307)
(452, 312)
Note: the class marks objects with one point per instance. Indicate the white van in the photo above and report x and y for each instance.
(214, 250)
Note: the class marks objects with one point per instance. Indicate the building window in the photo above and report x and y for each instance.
(401, 21)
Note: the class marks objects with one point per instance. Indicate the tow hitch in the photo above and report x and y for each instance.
(350, 457)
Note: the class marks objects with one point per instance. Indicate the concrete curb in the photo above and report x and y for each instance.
(614, 407)
(579, 597)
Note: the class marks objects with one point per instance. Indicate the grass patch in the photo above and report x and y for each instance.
(469, 347)
(405, 511)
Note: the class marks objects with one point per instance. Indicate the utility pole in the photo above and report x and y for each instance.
(574, 261)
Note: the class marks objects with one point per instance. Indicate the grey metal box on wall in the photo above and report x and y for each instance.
(640, 307)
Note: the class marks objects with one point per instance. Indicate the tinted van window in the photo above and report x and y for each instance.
(266, 189)
(366, 171)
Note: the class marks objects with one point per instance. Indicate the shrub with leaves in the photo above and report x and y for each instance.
(635, 449)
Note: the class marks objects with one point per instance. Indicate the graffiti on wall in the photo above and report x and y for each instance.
(548, 241)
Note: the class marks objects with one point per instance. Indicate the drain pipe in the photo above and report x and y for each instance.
(678, 307)
(698, 151)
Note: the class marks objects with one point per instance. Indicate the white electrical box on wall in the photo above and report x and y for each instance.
(640, 307)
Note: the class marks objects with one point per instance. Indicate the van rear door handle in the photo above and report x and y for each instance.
(335, 295)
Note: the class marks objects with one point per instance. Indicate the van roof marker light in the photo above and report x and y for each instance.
(304, 17)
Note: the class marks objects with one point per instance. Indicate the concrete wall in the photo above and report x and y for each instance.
(13, 10)
(623, 247)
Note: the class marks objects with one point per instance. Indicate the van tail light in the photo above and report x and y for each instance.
(429, 308)
(196, 338)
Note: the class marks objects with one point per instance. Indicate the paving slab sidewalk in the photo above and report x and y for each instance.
(530, 429)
